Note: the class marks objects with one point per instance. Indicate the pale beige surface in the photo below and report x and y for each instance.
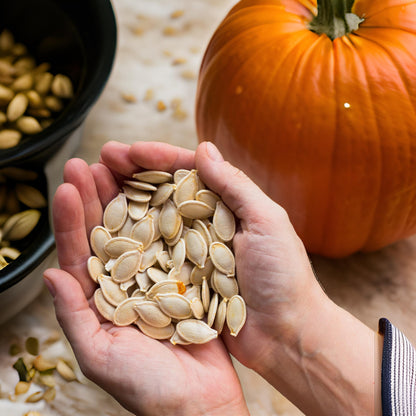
(160, 56)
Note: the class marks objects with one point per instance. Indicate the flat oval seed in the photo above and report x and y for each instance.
(137, 210)
(212, 310)
(186, 188)
(143, 186)
(197, 308)
(165, 332)
(166, 286)
(179, 175)
(153, 176)
(198, 273)
(195, 209)
(224, 222)
(116, 246)
(115, 213)
(126, 266)
(125, 230)
(136, 195)
(220, 316)
(226, 286)
(111, 290)
(149, 256)
(176, 339)
(236, 314)
(150, 313)
(156, 275)
(143, 281)
(193, 292)
(128, 284)
(125, 314)
(208, 197)
(104, 308)
(163, 259)
(95, 268)
(174, 305)
(155, 213)
(99, 236)
(172, 241)
(178, 254)
(143, 231)
(169, 220)
(196, 247)
(223, 258)
(195, 331)
(203, 230)
(183, 274)
(205, 295)
(162, 194)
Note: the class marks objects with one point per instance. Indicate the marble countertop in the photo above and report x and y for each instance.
(150, 96)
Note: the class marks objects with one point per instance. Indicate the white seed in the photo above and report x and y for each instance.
(162, 194)
(111, 290)
(137, 210)
(236, 314)
(164, 260)
(195, 209)
(195, 331)
(174, 305)
(149, 256)
(143, 231)
(208, 197)
(150, 313)
(143, 186)
(205, 295)
(221, 315)
(125, 230)
(105, 308)
(169, 220)
(173, 241)
(198, 273)
(109, 265)
(212, 310)
(116, 246)
(165, 332)
(99, 236)
(143, 281)
(203, 230)
(153, 176)
(179, 175)
(212, 232)
(224, 222)
(156, 275)
(128, 284)
(136, 195)
(226, 286)
(95, 268)
(223, 258)
(178, 254)
(183, 274)
(176, 339)
(166, 286)
(115, 213)
(186, 188)
(197, 308)
(192, 292)
(125, 313)
(196, 247)
(126, 266)
(154, 213)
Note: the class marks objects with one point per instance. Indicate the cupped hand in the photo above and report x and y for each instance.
(147, 376)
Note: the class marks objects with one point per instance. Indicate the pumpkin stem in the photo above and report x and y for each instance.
(334, 18)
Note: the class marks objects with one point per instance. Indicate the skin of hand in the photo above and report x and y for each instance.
(315, 353)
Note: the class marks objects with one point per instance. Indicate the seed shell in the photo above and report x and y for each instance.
(221, 315)
(111, 290)
(212, 310)
(105, 308)
(126, 266)
(153, 176)
(223, 258)
(224, 222)
(226, 286)
(195, 331)
(196, 247)
(165, 332)
(95, 268)
(116, 246)
(195, 209)
(115, 214)
(174, 305)
(150, 313)
(125, 313)
(236, 314)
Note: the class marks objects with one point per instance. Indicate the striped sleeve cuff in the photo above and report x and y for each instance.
(398, 372)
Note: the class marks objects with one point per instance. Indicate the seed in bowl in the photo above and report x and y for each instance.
(168, 265)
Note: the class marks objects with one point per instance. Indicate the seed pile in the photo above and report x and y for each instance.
(20, 205)
(31, 97)
(164, 260)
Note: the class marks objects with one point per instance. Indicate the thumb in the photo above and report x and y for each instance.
(235, 188)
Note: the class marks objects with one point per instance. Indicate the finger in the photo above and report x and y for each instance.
(70, 235)
(106, 184)
(116, 157)
(77, 319)
(77, 173)
(236, 189)
(161, 156)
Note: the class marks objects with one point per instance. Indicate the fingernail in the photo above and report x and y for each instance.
(49, 284)
(213, 153)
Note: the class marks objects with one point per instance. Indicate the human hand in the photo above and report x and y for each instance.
(146, 376)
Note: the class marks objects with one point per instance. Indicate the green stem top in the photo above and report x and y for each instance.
(334, 18)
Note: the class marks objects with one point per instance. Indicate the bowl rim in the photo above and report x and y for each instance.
(63, 126)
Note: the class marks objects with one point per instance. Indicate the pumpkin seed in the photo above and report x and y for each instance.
(166, 286)
(165, 332)
(156, 275)
(128, 284)
(150, 313)
(125, 313)
(212, 309)
(143, 231)
(195, 209)
(176, 339)
(111, 290)
(28, 125)
(195, 331)
(196, 247)
(226, 286)
(174, 305)
(179, 254)
(169, 220)
(21, 387)
(65, 370)
(179, 175)
(154, 213)
(104, 308)
(95, 268)
(164, 260)
(126, 266)
(220, 315)
(186, 188)
(116, 246)
(183, 274)
(150, 255)
(208, 197)
(34, 397)
(192, 292)
(162, 194)
(137, 210)
(223, 258)
(236, 314)
(198, 273)
(17, 107)
(153, 176)
(205, 295)
(197, 307)
(224, 222)
(115, 213)
(143, 281)
(143, 186)
(200, 226)
(136, 195)
(20, 225)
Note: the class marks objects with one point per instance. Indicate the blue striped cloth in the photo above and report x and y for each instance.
(398, 372)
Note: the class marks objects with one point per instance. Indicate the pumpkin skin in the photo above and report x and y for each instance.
(327, 128)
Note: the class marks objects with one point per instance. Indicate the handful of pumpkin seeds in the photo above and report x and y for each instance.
(20, 205)
(31, 97)
(164, 260)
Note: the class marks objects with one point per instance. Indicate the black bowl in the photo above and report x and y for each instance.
(78, 39)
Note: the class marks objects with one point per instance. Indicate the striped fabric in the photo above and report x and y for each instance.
(398, 372)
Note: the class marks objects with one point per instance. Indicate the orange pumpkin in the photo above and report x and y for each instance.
(321, 115)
